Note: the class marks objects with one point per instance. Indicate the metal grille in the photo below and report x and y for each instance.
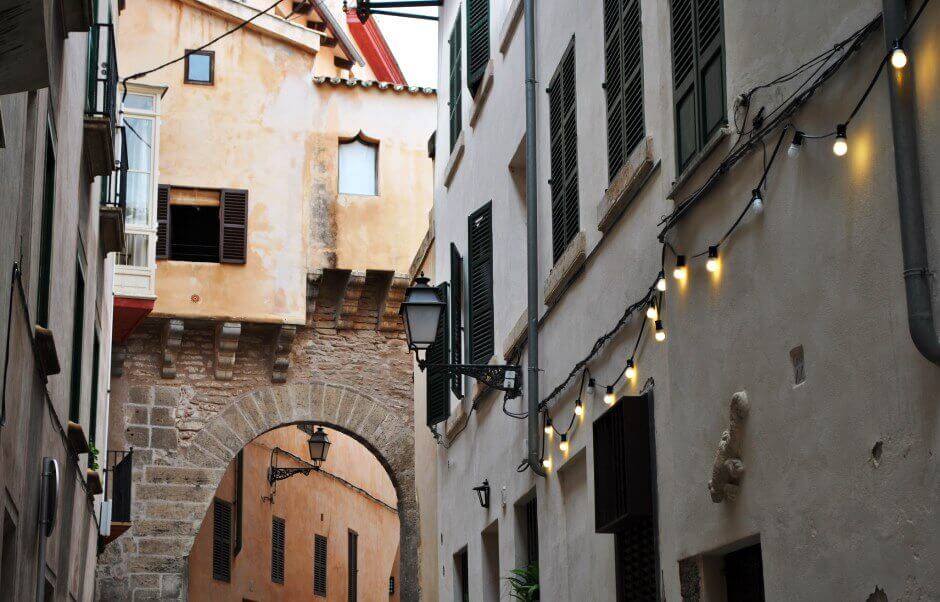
(635, 562)
(277, 549)
(222, 540)
(319, 565)
(563, 130)
(480, 285)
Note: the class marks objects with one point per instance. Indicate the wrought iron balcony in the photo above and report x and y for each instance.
(118, 477)
(113, 201)
(101, 100)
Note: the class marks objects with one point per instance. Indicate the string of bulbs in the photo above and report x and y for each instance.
(652, 300)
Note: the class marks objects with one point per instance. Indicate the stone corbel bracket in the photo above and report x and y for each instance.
(226, 344)
(728, 467)
(344, 299)
(283, 339)
(172, 339)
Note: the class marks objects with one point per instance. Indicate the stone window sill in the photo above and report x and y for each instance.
(626, 185)
(454, 425)
(454, 161)
(565, 268)
(510, 25)
(482, 94)
(693, 165)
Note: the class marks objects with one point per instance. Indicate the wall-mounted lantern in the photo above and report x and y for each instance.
(483, 493)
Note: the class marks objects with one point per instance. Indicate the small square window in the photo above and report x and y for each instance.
(200, 67)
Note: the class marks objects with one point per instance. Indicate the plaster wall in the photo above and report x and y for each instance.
(820, 268)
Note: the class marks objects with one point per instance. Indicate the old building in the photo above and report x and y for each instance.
(60, 224)
(771, 427)
(278, 180)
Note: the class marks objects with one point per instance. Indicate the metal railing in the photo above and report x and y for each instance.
(118, 476)
(101, 94)
(114, 185)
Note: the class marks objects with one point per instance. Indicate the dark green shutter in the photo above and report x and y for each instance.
(480, 285)
(438, 394)
(698, 74)
(478, 42)
(624, 59)
(163, 221)
(454, 103)
(221, 540)
(456, 315)
(93, 411)
(563, 131)
(78, 333)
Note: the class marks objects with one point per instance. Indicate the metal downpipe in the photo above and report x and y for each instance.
(910, 207)
(532, 243)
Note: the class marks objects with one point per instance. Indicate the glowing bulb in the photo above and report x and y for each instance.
(796, 145)
(681, 270)
(631, 370)
(651, 312)
(757, 203)
(661, 284)
(547, 463)
(898, 57)
(609, 397)
(841, 145)
(660, 331)
(712, 264)
(548, 426)
(578, 408)
(563, 446)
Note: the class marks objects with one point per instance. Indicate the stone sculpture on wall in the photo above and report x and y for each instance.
(728, 467)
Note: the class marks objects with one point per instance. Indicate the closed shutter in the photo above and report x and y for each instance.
(319, 565)
(221, 540)
(277, 550)
(698, 74)
(624, 60)
(239, 499)
(233, 238)
(438, 394)
(478, 42)
(353, 566)
(163, 221)
(532, 531)
(480, 285)
(456, 316)
(563, 130)
(454, 103)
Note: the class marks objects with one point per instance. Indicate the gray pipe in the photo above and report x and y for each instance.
(534, 437)
(910, 207)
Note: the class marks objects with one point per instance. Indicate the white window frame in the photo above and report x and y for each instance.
(367, 141)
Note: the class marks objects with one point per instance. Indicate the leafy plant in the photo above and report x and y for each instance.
(92, 456)
(524, 583)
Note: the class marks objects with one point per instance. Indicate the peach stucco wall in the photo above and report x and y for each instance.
(310, 505)
(267, 127)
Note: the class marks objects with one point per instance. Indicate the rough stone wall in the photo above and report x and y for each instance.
(186, 430)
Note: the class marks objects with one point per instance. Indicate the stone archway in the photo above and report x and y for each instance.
(173, 491)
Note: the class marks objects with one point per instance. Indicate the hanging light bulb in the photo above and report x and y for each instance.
(661, 283)
(578, 408)
(757, 203)
(651, 311)
(548, 425)
(681, 270)
(712, 264)
(796, 145)
(609, 397)
(631, 369)
(841, 145)
(563, 445)
(660, 331)
(546, 463)
(898, 56)
(591, 384)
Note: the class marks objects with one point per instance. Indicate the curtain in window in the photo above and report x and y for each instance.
(357, 168)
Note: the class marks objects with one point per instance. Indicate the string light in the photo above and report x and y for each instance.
(661, 283)
(609, 397)
(548, 425)
(681, 270)
(898, 56)
(563, 445)
(547, 463)
(712, 264)
(631, 369)
(651, 311)
(841, 145)
(578, 408)
(660, 331)
(796, 145)
(757, 203)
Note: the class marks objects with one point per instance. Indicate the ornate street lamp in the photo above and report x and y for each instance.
(319, 445)
(366, 8)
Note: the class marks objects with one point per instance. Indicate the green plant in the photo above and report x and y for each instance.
(524, 583)
(92, 456)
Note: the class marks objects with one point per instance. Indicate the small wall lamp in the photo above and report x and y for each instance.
(483, 493)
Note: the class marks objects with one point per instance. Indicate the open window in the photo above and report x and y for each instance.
(202, 225)
(359, 165)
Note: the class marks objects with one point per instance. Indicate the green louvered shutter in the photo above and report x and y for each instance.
(711, 65)
(480, 285)
(456, 315)
(624, 60)
(478, 42)
(438, 395)
(563, 131)
(454, 103)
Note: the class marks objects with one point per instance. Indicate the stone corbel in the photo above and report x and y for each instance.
(226, 344)
(348, 305)
(389, 320)
(728, 467)
(172, 339)
(283, 338)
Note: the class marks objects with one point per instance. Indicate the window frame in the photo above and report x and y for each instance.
(361, 138)
(199, 82)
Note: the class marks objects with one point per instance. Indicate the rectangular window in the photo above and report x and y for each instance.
(478, 42)
(221, 540)
(461, 576)
(202, 225)
(456, 317)
(358, 167)
(93, 411)
(78, 333)
(563, 131)
(319, 565)
(352, 591)
(277, 550)
(45, 233)
(139, 138)
(136, 251)
(744, 575)
(480, 285)
(624, 61)
(438, 393)
(200, 67)
(698, 65)
(491, 575)
(456, 76)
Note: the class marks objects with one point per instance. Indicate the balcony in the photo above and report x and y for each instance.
(100, 101)
(116, 506)
(113, 203)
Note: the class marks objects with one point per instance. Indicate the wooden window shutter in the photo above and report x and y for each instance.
(222, 540)
(711, 66)
(624, 60)
(478, 42)
(480, 285)
(239, 499)
(277, 550)
(456, 77)
(563, 132)
(233, 222)
(353, 567)
(163, 221)
(456, 316)
(438, 393)
(319, 565)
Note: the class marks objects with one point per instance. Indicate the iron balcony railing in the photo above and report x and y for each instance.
(101, 96)
(114, 185)
(117, 484)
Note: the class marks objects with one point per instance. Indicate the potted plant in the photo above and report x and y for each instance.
(524, 583)
(93, 477)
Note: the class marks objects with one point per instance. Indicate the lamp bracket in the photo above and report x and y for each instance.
(503, 378)
(279, 473)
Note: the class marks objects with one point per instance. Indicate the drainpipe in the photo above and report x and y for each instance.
(532, 242)
(910, 207)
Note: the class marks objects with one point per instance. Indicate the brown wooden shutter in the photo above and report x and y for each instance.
(319, 565)
(222, 540)
(353, 567)
(233, 222)
(277, 550)
(163, 221)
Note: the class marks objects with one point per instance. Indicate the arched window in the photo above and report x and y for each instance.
(359, 166)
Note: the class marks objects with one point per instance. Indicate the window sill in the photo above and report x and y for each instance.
(510, 25)
(517, 336)
(454, 161)
(690, 169)
(565, 268)
(626, 185)
(482, 94)
(455, 423)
